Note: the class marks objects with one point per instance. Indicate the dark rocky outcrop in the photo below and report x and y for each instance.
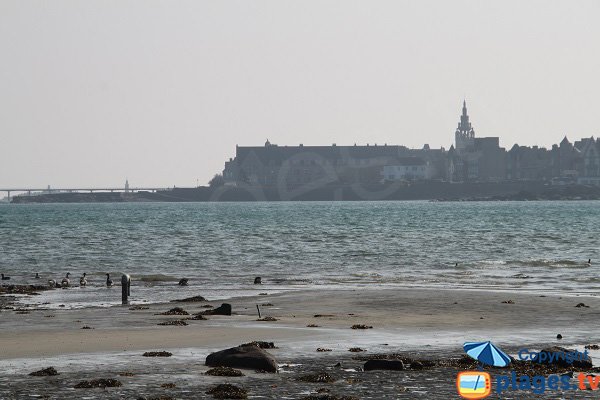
(393, 365)
(50, 371)
(245, 357)
(223, 309)
(257, 280)
(361, 326)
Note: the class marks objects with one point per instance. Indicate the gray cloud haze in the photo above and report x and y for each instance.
(92, 92)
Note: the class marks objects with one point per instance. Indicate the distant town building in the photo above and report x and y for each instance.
(469, 159)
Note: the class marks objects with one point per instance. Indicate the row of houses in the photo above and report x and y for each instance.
(469, 159)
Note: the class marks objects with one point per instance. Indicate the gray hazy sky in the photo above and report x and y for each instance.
(160, 92)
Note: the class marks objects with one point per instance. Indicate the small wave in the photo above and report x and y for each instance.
(521, 276)
(547, 263)
(155, 278)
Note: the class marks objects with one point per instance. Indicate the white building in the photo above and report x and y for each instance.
(409, 169)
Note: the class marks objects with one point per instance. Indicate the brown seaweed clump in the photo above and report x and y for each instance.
(175, 311)
(321, 377)
(268, 319)
(224, 371)
(98, 383)
(328, 396)
(157, 354)
(189, 300)
(197, 317)
(177, 322)
(228, 391)
(260, 344)
(355, 349)
(50, 371)
(168, 385)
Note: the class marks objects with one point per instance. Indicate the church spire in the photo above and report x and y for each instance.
(465, 134)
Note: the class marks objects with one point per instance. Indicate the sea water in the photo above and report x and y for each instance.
(221, 247)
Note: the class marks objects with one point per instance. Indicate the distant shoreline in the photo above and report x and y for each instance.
(433, 191)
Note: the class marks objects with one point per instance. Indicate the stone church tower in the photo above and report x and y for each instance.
(464, 135)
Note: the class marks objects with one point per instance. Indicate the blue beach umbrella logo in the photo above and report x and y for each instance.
(486, 353)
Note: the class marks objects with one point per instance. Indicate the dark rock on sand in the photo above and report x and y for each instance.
(559, 336)
(321, 377)
(175, 311)
(592, 347)
(312, 326)
(157, 354)
(183, 282)
(189, 300)
(322, 349)
(223, 309)
(261, 344)
(560, 362)
(50, 371)
(224, 371)
(228, 391)
(245, 357)
(581, 305)
(86, 327)
(257, 280)
(98, 383)
(393, 365)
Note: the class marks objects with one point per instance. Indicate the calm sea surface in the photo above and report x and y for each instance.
(221, 247)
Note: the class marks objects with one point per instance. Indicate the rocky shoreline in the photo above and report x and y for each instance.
(317, 353)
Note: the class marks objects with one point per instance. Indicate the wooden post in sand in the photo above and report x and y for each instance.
(258, 309)
(125, 289)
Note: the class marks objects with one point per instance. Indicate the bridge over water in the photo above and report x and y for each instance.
(34, 191)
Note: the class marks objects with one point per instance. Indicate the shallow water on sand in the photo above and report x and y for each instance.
(220, 247)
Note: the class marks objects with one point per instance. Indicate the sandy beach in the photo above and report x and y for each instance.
(425, 322)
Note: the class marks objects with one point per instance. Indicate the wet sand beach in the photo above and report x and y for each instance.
(426, 323)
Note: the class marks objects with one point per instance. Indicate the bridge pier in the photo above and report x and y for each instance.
(8, 192)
